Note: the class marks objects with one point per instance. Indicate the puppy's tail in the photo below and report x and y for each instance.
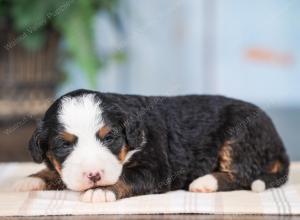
(272, 178)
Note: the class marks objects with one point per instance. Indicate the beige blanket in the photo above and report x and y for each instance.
(285, 200)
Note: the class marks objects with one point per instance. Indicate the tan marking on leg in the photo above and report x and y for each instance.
(51, 178)
(275, 167)
(225, 157)
(121, 189)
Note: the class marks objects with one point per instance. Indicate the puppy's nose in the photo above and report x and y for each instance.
(94, 177)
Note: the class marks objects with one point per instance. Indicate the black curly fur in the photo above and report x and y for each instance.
(185, 138)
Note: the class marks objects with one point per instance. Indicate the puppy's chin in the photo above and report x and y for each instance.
(80, 187)
(75, 177)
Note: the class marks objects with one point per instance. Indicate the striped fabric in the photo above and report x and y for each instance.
(282, 201)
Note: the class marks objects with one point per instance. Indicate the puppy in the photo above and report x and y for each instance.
(111, 146)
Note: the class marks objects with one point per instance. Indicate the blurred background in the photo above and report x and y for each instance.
(244, 49)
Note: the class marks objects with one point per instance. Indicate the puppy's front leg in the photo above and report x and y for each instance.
(43, 180)
(129, 184)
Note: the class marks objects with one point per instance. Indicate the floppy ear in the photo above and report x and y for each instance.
(38, 144)
(135, 132)
(131, 123)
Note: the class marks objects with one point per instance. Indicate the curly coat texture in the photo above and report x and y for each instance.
(180, 139)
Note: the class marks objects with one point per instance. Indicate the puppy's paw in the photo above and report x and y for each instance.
(29, 184)
(98, 195)
(207, 183)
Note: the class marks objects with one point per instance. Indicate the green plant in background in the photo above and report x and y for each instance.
(72, 19)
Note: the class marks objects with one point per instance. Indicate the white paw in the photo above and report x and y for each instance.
(29, 184)
(258, 186)
(207, 183)
(98, 195)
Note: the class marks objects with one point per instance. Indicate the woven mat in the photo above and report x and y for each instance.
(281, 201)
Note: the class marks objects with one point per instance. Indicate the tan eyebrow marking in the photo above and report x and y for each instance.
(104, 131)
(68, 137)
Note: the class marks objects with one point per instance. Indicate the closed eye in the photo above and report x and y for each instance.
(108, 139)
(67, 143)
(61, 148)
(62, 152)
